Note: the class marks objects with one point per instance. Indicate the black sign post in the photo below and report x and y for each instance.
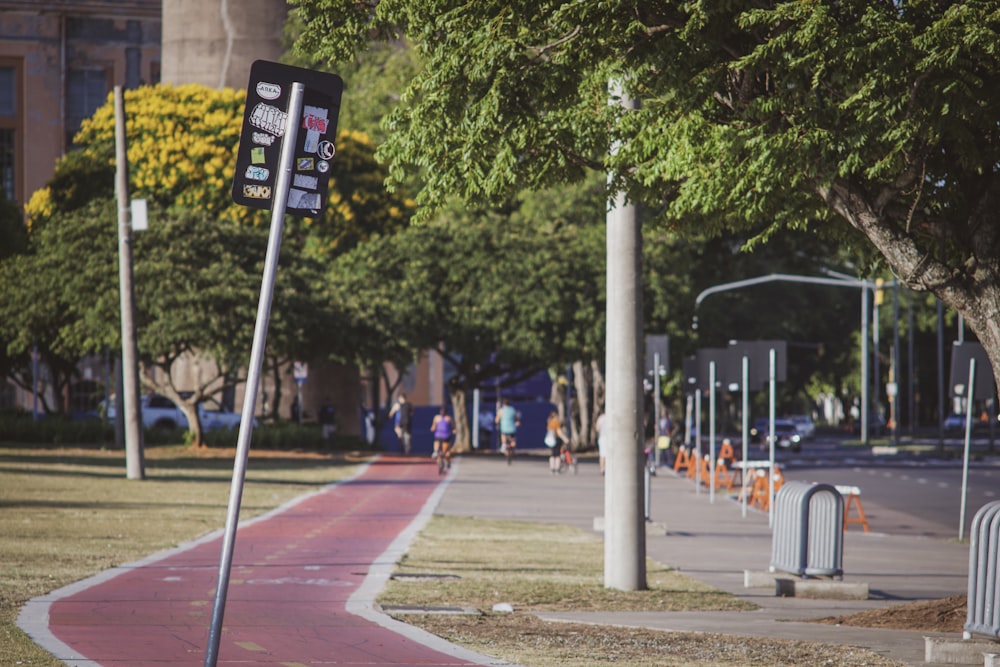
(282, 165)
(255, 180)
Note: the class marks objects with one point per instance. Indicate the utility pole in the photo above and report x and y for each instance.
(135, 466)
(624, 523)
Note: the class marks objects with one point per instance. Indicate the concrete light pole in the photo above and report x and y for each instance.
(134, 458)
(624, 523)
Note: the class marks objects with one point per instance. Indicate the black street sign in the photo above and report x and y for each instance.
(263, 127)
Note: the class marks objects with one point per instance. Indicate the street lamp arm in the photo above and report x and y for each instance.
(773, 278)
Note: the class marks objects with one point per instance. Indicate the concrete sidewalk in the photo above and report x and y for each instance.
(712, 542)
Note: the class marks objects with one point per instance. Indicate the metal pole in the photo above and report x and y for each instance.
(134, 464)
(911, 378)
(711, 432)
(475, 418)
(968, 442)
(940, 372)
(656, 409)
(697, 441)
(746, 429)
(624, 527)
(864, 363)
(876, 370)
(772, 388)
(285, 164)
(895, 362)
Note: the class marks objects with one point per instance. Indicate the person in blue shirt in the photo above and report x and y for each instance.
(509, 419)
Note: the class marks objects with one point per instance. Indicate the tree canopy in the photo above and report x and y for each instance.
(182, 152)
(868, 120)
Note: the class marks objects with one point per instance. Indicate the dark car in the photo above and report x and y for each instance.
(786, 436)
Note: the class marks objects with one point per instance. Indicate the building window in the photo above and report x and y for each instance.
(8, 91)
(86, 91)
(7, 162)
(8, 136)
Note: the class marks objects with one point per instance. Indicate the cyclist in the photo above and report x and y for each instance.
(443, 429)
(508, 419)
(555, 440)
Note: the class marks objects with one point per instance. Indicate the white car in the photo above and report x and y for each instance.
(804, 425)
(160, 412)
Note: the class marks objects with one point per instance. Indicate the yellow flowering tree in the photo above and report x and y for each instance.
(182, 143)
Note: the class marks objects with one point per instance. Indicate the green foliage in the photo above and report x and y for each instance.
(55, 430)
(13, 235)
(182, 152)
(871, 115)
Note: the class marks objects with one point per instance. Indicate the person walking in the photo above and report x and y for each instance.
(509, 420)
(601, 451)
(328, 420)
(555, 440)
(402, 416)
(443, 429)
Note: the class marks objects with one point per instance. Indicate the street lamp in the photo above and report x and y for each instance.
(840, 280)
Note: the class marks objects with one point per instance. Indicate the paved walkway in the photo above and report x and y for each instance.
(713, 542)
(304, 576)
(301, 589)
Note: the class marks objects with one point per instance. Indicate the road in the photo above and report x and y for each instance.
(904, 493)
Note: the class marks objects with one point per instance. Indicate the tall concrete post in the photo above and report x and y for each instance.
(214, 42)
(624, 525)
(134, 456)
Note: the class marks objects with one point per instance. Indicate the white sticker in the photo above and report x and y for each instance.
(254, 173)
(325, 149)
(303, 199)
(303, 181)
(263, 138)
(268, 118)
(268, 91)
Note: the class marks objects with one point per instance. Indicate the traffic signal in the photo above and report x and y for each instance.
(879, 292)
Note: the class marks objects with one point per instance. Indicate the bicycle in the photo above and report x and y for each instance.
(508, 447)
(567, 459)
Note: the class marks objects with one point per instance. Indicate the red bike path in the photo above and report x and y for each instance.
(301, 592)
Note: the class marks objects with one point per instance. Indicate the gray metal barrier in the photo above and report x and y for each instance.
(808, 537)
(983, 615)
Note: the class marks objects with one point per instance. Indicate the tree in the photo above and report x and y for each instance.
(490, 293)
(182, 152)
(196, 282)
(873, 121)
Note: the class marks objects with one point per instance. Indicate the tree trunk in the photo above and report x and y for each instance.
(597, 380)
(972, 287)
(580, 381)
(461, 417)
(194, 423)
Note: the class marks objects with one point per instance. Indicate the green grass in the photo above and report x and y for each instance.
(68, 513)
(535, 567)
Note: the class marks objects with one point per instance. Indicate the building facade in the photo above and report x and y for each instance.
(59, 60)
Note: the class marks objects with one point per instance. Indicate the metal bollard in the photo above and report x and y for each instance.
(983, 614)
(808, 530)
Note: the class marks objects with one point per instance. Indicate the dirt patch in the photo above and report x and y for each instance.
(945, 615)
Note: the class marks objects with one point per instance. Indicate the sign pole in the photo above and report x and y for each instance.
(284, 177)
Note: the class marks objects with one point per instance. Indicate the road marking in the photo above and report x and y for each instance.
(921, 480)
(942, 485)
(250, 646)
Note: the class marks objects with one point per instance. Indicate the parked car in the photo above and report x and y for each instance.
(158, 411)
(804, 425)
(786, 436)
(955, 423)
